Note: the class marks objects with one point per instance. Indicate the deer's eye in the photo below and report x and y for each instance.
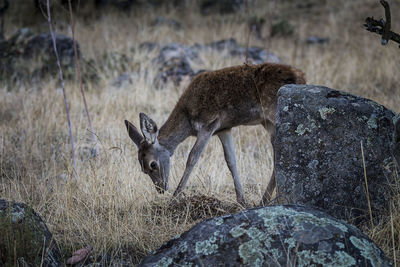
(153, 165)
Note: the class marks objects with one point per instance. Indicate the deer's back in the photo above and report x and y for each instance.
(239, 95)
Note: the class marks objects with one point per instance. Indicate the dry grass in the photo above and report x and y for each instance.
(112, 205)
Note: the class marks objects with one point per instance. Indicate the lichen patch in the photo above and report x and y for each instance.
(323, 112)
(368, 250)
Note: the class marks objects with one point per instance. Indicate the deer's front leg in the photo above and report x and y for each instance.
(197, 149)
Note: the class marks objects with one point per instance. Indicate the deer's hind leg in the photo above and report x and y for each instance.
(229, 152)
(270, 127)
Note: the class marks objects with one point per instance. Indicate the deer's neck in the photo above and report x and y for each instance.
(175, 130)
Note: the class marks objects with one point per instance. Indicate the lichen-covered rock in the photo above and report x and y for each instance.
(318, 151)
(256, 55)
(25, 238)
(27, 57)
(174, 63)
(288, 235)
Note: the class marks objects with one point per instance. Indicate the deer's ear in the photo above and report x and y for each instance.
(134, 134)
(149, 128)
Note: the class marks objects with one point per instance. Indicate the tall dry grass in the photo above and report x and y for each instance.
(112, 205)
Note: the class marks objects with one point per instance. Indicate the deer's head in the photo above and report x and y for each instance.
(153, 157)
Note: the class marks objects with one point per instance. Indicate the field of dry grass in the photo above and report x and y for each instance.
(108, 203)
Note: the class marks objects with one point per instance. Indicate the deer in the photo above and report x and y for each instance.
(213, 103)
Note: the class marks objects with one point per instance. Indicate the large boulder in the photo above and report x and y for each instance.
(173, 63)
(25, 239)
(288, 235)
(318, 156)
(27, 56)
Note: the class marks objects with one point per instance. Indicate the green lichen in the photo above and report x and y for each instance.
(275, 254)
(290, 242)
(298, 105)
(237, 231)
(298, 218)
(372, 122)
(314, 258)
(176, 236)
(251, 254)
(343, 259)
(376, 106)
(182, 247)
(207, 247)
(18, 214)
(300, 129)
(22, 236)
(219, 221)
(256, 234)
(368, 250)
(323, 112)
(312, 122)
(164, 262)
(340, 245)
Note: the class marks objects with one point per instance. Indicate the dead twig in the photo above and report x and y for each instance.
(78, 71)
(366, 186)
(53, 37)
(382, 27)
(270, 8)
(248, 34)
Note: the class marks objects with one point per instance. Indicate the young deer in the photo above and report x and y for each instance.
(213, 103)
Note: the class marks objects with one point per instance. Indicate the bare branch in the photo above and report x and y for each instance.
(382, 27)
(53, 37)
(78, 71)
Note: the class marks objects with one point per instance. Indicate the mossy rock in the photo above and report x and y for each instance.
(25, 239)
(318, 157)
(289, 235)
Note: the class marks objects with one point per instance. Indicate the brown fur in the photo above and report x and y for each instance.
(239, 95)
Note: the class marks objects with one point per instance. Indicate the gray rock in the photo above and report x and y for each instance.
(225, 44)
(173, 62)
(256, 55)
(318, 151)
(148, 46)
(41, 45)
(123, 80)
(29, 57)
(25, 237)
(288, 235)
(317, 40)
(220, 6)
